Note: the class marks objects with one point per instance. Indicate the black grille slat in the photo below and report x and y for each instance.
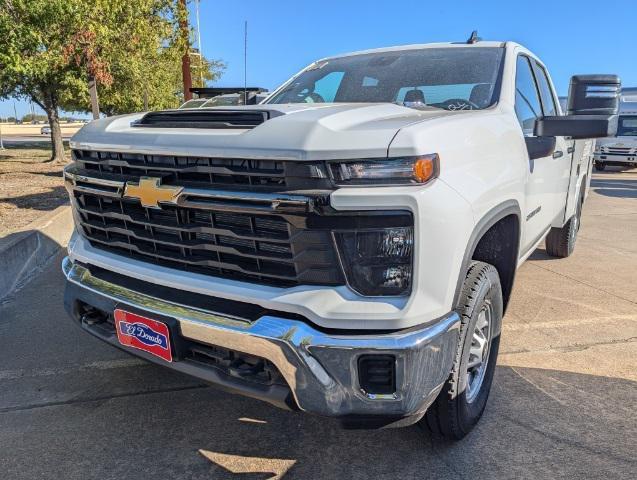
(214, 169)
(237, 247)
(263, 173)
(278, 237)
(205, 172)
(229, 262)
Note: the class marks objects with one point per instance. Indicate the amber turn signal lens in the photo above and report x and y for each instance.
(424, 169)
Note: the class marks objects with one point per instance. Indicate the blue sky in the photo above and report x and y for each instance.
(571, 36)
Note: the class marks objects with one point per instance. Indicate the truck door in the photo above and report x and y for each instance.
(544, 174)
(562, 165)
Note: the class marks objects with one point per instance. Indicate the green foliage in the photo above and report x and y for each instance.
(50, 48)
(32, 37)
(139, 56)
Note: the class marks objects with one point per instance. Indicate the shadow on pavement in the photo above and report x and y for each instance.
(538, 424)
(540, 254)
(617, 186)
(49, 199)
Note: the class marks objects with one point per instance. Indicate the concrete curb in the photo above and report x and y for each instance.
(22, 253)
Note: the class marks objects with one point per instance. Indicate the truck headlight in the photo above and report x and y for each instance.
(390, 171)
(377, 262)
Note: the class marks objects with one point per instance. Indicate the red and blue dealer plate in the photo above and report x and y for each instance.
(143, 333)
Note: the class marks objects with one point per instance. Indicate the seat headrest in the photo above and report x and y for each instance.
(481, 94)
(414, 96)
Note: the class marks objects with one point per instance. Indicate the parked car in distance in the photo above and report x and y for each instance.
(621, 151)
(45, 130)
(346, 248)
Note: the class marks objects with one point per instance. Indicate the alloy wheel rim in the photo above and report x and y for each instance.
(479, 352)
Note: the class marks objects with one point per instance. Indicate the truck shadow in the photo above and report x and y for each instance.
(615, 186)
(538, 424)
(48, 199)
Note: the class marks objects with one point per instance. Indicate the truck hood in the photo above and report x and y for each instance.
(296, 132)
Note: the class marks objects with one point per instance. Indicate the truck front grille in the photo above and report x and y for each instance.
(263, 248)
(619, 150)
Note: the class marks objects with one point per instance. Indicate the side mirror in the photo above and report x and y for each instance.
(540, 147)
(593, 105)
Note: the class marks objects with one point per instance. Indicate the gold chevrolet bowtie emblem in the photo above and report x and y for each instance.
(150, 192)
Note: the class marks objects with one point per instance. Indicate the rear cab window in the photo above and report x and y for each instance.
(549, 105)
(528, 107)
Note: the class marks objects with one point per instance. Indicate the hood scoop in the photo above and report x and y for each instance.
(206, 118)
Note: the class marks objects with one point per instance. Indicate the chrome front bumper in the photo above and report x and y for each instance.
(319, 368)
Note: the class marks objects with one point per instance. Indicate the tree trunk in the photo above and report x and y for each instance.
(57, 145)
(92, 91)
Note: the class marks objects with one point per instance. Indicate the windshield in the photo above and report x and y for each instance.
(196, 103)
(627, 126)
(459, 78)
(224, 101)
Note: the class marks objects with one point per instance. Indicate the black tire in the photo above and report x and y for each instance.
(560, 242)
(600, 167)
(454, 413)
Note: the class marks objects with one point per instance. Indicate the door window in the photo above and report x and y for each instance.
(527, 101)
(548, 100)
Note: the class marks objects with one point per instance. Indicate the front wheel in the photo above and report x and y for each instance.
(464, 396)
(600, 166)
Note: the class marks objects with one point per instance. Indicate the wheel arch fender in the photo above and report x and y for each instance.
(504, 260)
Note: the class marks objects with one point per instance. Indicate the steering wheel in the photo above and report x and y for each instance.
(316, 98)
(455, 104)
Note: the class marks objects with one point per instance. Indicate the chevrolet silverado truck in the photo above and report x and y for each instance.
(346, 248)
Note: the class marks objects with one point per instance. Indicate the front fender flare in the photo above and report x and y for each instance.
(494, 215)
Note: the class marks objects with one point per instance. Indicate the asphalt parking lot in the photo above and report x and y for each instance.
(562, 405)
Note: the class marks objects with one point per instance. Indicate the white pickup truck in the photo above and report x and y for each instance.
(621, 151)
(349, 246)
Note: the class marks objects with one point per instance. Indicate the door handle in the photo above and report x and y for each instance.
(558, 154)
(570, 149)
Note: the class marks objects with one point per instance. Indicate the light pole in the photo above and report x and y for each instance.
(199, 44)
(198, 30)
(1, 144)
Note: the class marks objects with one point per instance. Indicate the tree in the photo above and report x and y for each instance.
(138, 64)
(31, 64)
(50, 48)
